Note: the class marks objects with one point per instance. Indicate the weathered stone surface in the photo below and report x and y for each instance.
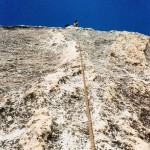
(42, 102)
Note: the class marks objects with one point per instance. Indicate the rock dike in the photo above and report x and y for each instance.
(42, 103)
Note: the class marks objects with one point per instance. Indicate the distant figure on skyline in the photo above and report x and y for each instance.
(75, 23)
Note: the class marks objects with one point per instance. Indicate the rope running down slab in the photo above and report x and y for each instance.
(89, 123)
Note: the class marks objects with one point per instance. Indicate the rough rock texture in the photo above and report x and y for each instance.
(42, 102)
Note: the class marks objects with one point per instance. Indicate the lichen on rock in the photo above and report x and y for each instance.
(38, 131)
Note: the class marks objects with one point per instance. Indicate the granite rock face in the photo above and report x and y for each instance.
(42, 103)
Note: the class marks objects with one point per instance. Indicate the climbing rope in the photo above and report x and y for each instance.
(89, 122)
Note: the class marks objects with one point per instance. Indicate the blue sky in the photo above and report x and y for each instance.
(130, 15)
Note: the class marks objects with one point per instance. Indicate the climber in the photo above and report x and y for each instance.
(75, 23)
